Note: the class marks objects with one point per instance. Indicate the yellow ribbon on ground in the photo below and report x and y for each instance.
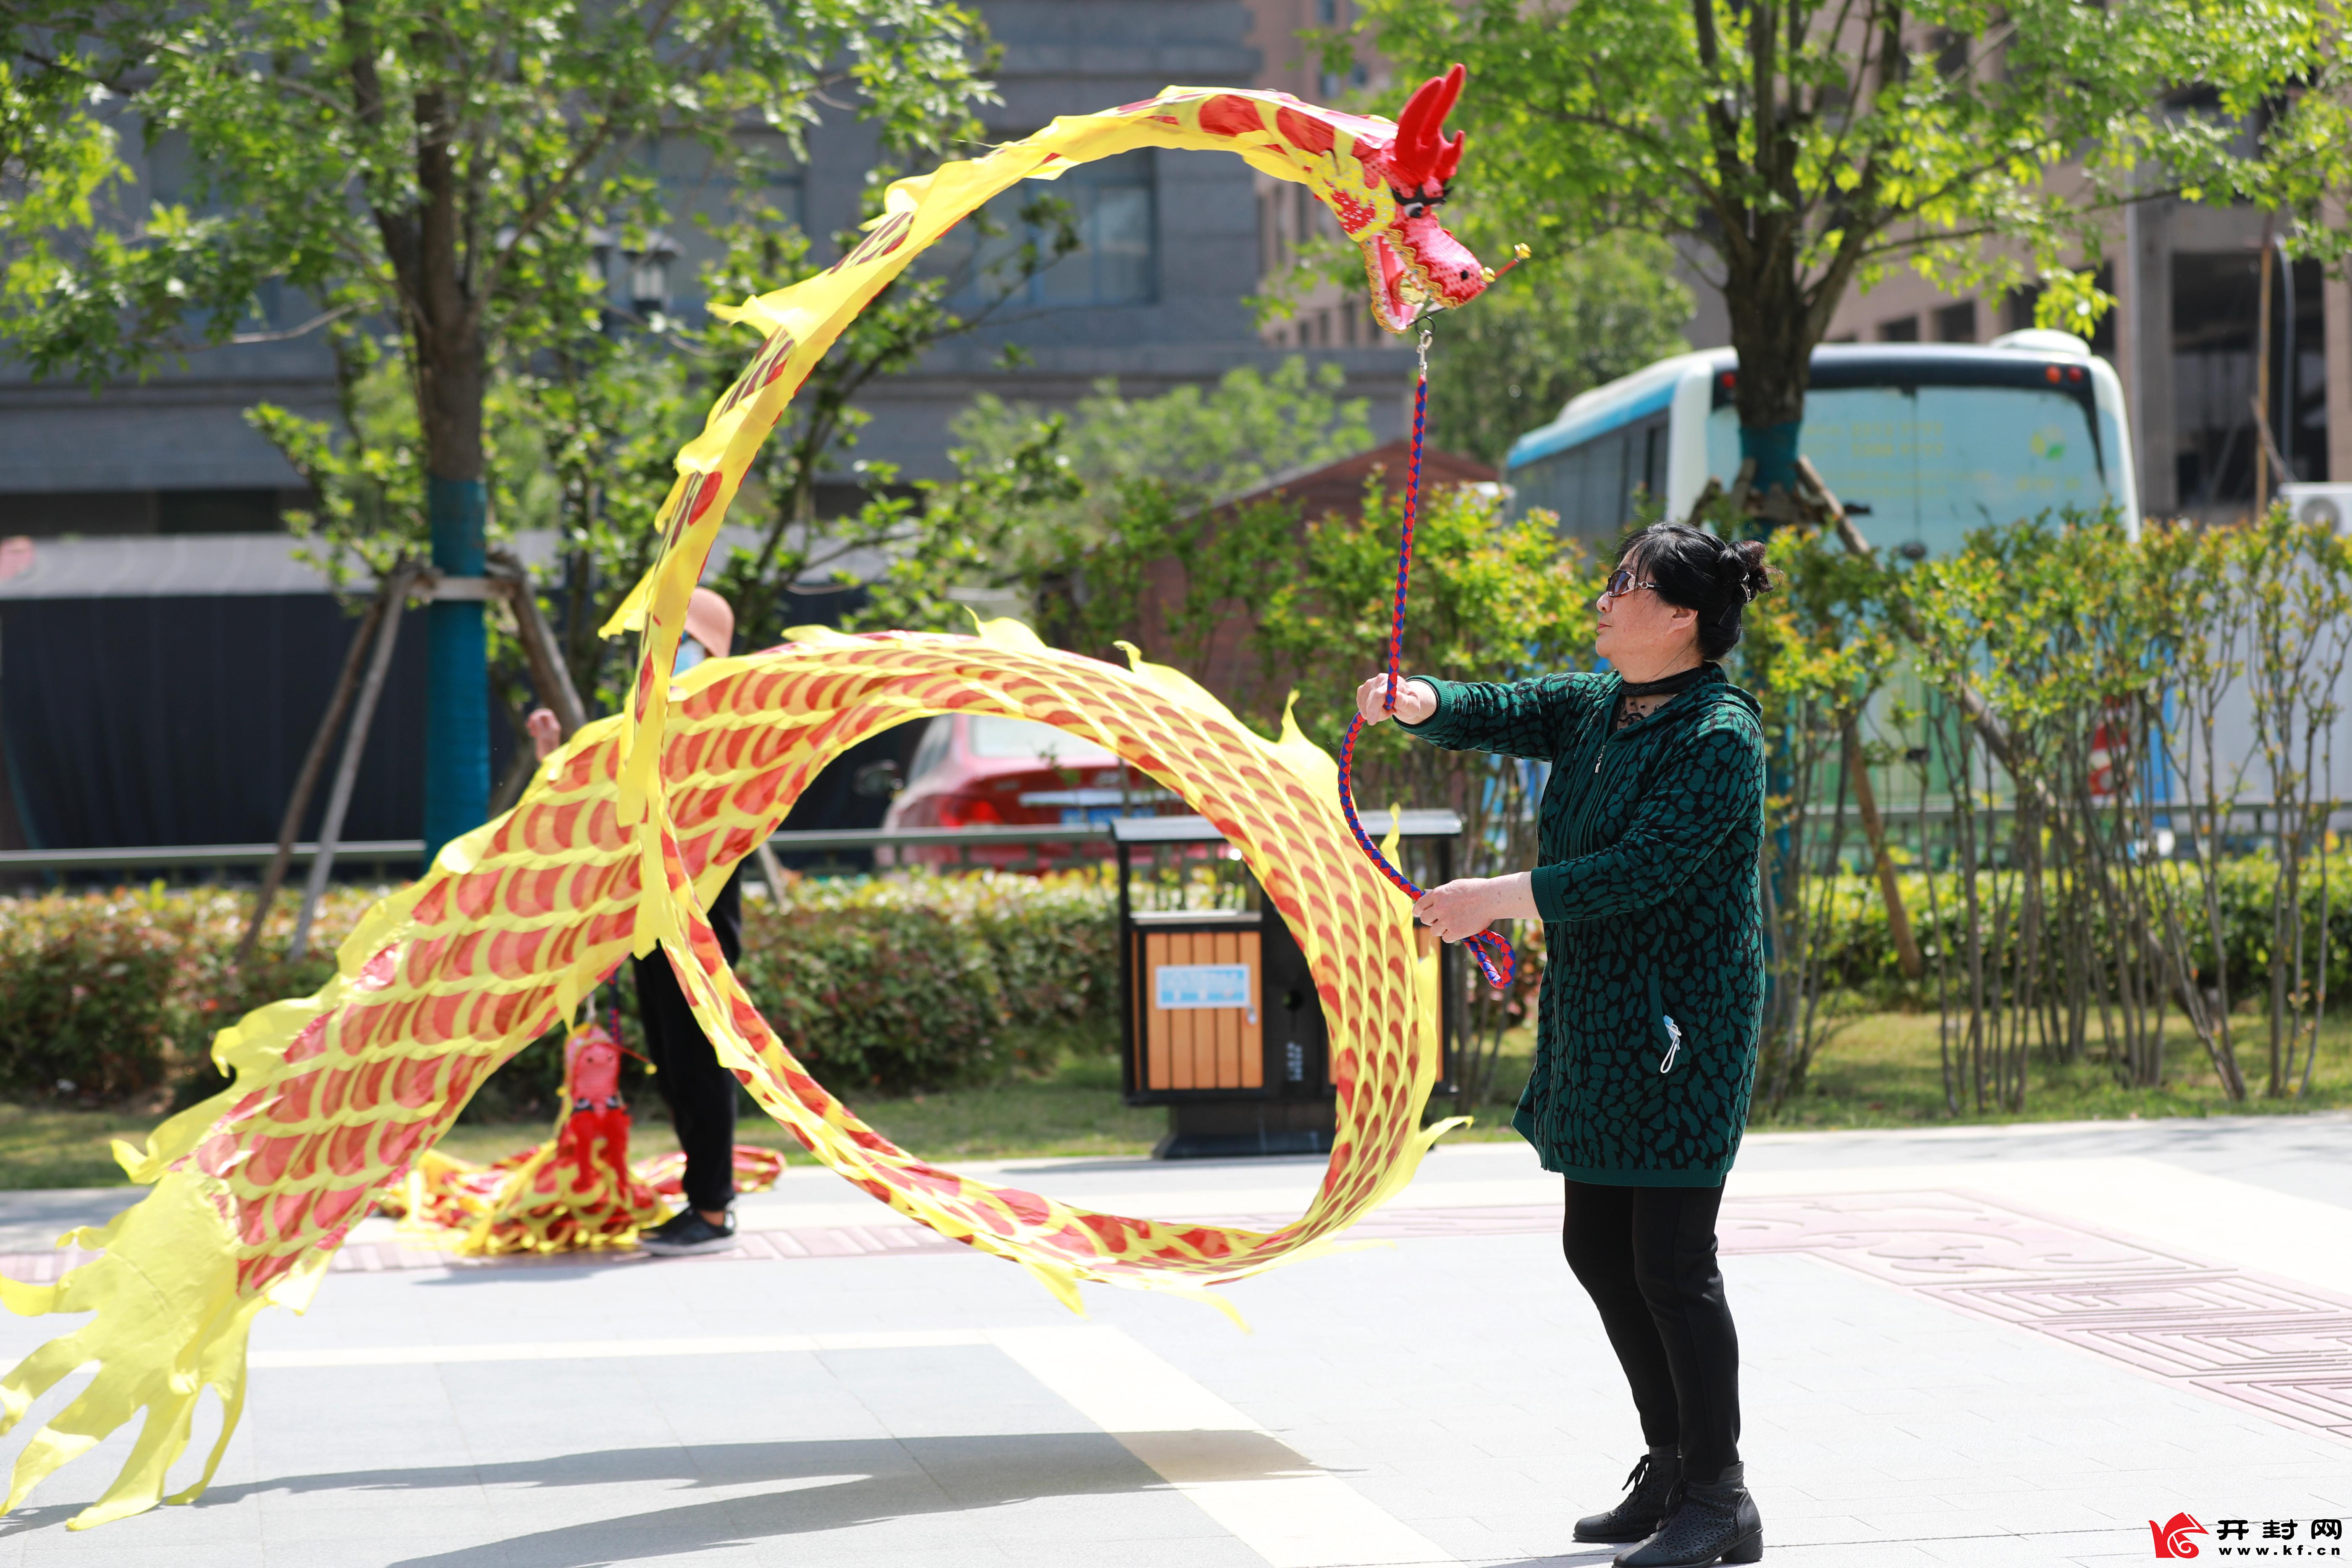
(628, 831)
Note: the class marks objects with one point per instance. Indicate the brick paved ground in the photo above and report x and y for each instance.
(1986, 1348)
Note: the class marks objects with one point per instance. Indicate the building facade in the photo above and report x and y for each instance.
(112, 747)
(1324, 315)
(1175, 242)
(2184, 339)
(1157, 296)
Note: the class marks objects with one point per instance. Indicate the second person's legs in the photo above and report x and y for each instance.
(700, 1092)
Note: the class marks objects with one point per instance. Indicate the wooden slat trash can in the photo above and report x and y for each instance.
(1220, 1020)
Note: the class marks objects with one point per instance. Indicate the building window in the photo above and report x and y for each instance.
(1112, 202)
(1902, 330)
(1952, 50)
(2216, 335)
(1957, 323)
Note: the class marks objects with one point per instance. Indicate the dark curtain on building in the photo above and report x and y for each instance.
(133, 722)
(183, 720)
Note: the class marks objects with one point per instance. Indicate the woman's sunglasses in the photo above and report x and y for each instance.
(1621, 583)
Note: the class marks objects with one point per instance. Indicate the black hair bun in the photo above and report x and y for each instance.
(1743, 564)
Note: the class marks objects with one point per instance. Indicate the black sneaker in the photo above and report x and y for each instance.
(686, 1233)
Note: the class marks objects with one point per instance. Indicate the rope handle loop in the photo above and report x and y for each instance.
(1495, 959)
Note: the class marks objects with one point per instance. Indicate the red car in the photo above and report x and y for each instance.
(980, 771)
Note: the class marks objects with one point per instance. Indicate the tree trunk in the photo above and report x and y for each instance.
(1771, 329)
(1865, 800)
(452, 372)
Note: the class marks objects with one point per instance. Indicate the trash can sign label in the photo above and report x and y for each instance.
(1201, 986)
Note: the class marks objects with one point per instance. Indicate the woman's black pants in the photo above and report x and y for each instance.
(701, 1093)
(1646, 1256)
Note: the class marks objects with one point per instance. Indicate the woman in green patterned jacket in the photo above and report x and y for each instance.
(1645, 1040)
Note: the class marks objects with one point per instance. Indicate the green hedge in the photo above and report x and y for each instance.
(882, 986)
(112, 996)
(1861, 957)
(919, 981)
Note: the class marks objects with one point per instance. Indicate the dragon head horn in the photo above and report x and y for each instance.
(1422, 152)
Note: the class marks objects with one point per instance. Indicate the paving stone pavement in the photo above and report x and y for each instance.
(1984, 1347)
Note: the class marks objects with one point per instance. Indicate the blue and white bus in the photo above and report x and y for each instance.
(1922, 442)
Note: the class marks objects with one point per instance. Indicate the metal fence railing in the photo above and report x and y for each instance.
(19, 863)
(812, 851)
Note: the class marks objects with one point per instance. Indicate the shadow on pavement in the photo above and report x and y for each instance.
(809, 1487)
(1093, 1167)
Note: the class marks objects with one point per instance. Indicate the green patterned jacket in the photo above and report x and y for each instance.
(1646, 879)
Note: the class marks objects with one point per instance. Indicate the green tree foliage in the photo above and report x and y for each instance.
(2095, 819)
(1493, 599)
(1085, 504)
(1815, 651)
(915, 312)
(1552, 328)
(1804, 148)
(449, 192)
(452, 173)
(1202, 444)
(56, 163)
(957, 534)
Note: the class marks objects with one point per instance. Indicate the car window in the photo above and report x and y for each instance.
(932, 751)
(999, 739)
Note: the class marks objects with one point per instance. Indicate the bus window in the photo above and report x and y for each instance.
(1935, 463)
(2006, 452)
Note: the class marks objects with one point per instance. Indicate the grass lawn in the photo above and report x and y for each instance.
(1076, 1111)
(1884, 1069)
(1879, 1070)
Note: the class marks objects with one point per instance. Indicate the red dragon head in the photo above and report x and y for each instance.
(591, 1065)
(1425, 265)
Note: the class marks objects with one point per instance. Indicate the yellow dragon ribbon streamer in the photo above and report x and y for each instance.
(630, 827)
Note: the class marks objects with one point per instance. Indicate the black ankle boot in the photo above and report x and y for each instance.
(1709, 1521)
(1644, 1508)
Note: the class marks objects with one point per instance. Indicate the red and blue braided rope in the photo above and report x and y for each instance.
(1494, 954)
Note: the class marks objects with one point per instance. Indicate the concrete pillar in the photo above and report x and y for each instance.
(2336, 298)
(2144, 350)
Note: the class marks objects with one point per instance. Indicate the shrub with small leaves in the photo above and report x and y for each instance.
(912, 981)
(924, 980)
(114, 996)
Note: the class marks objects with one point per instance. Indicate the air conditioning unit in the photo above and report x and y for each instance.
(2330, 504)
